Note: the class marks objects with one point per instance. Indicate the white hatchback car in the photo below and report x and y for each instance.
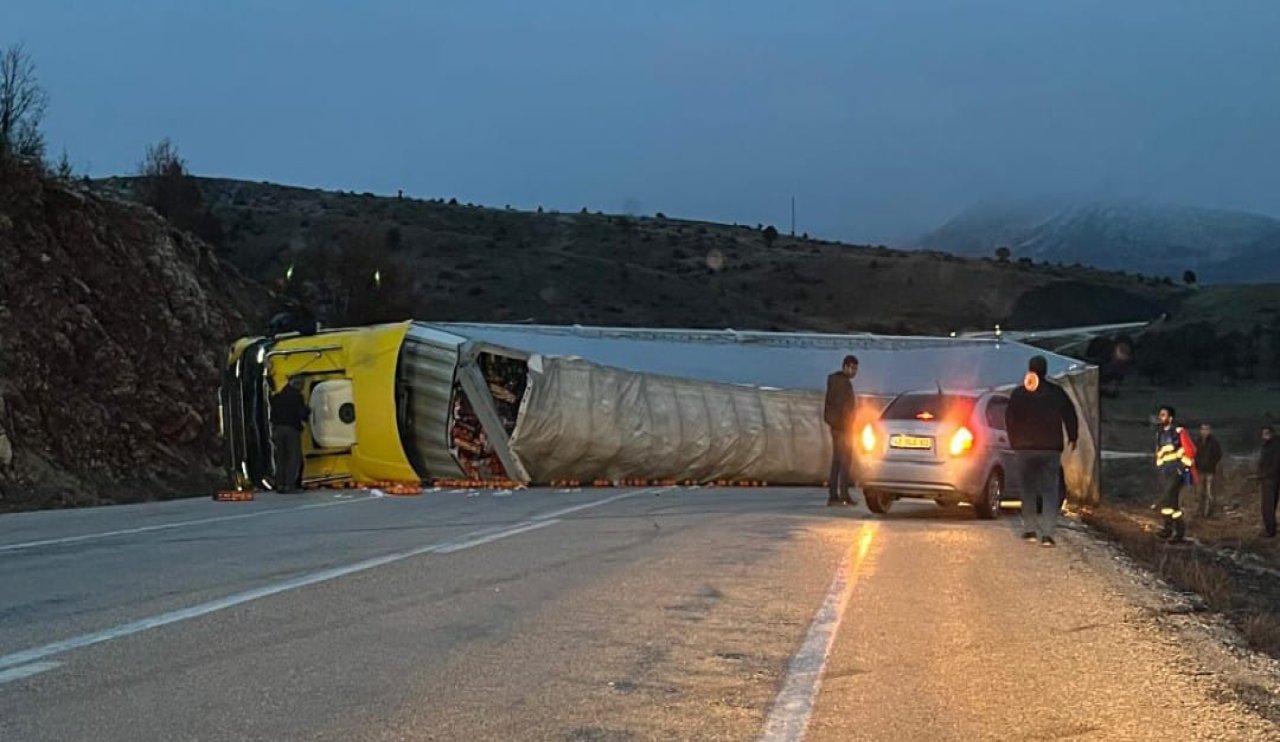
(948, 447)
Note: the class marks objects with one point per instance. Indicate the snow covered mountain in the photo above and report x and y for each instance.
(1156, 239)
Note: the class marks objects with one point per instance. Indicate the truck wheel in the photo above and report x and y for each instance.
(988, 504)
(878, 502)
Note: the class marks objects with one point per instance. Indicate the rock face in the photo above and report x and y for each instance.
(112, 325)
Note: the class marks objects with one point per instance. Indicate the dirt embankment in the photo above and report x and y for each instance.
(1227, 563)
(112, 324)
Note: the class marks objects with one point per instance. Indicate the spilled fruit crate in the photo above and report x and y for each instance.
(233, 496)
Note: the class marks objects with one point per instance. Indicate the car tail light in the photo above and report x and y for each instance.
(926, 415)
(961, 441)
(868, 438)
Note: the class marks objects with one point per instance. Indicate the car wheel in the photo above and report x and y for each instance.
(878, 502)
(988, 505)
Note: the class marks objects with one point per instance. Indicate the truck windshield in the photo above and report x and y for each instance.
(246, 429)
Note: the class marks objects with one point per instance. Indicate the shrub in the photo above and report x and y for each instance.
(169, 188)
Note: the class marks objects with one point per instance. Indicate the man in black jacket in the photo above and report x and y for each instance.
(1208, 457)
(289, 414)
(1037, 414)
(839, 412)
(1269, 479)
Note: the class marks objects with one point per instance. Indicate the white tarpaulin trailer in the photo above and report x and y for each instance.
(624, 404)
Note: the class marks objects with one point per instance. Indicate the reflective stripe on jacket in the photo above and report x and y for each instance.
(1175, 452)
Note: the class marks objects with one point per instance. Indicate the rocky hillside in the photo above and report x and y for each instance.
(1155, 239)
(111, 328)
(466, 262)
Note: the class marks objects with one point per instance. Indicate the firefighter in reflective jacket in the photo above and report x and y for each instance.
(1175, 462)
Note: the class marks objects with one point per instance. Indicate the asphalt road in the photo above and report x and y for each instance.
(594, 615)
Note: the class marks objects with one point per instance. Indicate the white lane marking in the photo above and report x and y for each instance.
(178, 524)
(475, 538)
(26, 671)
(789, 717)
(513, 531)
(566, 511)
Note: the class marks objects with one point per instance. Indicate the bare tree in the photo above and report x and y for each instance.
(166, 186)
(22, 104)
(64, 170)
(162, 159)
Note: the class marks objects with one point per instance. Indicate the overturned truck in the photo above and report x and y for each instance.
(420, 401)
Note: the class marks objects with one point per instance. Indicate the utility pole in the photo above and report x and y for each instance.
(793, 216)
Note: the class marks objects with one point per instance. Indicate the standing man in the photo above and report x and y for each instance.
(839, 412)
(1208, 457)
(1269, 479)
(1038, 413)
(1176, 464)
(289, 414)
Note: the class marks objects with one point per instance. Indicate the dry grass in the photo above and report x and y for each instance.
(1208, 580)
(1262, 629)
(1230, 307)
(1130, 487)
(1249, 601)
(1236, 413)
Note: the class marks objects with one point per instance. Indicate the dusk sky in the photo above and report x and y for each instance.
(882, 118)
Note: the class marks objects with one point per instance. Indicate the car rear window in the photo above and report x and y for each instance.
(921, 406)
(996, 409)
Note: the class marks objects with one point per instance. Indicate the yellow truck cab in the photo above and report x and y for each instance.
(348, 379)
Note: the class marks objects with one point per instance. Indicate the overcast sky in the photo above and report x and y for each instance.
(882, 118)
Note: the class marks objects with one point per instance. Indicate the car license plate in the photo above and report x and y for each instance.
(913, 442)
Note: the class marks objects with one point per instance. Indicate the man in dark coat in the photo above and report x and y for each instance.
(289, 413)
(839, 411)
(1038, 413)
(1208, 458)
(1269, 479)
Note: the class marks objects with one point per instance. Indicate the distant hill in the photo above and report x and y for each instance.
(462, 261)
(978, 230)
(1154, 239)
